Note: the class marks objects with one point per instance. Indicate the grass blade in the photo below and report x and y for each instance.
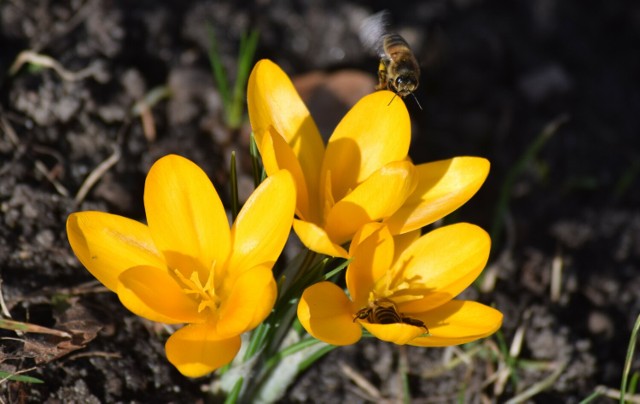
(219, 72)
(627, 363)
(233, 179)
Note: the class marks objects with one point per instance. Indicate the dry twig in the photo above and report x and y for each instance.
(96, 174)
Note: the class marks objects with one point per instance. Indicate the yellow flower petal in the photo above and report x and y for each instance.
(398, 333)
(371, 135)
(443, 187)
(276, 155)
(264, 223)
(458, 322)
(108, 244)
(437, 267)
(372, 253)
(150, 292)
(376, 198)
(326, 313)
(249, 300)
(195, 351)
(273, 101)
(403, 241)
(185, 214)
(316, 239)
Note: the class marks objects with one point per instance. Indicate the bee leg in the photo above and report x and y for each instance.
(382, 76)
(416, 323)
(362, 314)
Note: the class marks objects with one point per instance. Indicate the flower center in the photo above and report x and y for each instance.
(205, 292)
(401, 286)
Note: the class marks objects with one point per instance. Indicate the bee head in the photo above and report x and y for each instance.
(405, 85)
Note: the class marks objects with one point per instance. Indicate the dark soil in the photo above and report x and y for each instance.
(495, 74)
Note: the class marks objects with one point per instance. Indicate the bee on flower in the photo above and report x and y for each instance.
(401, 289)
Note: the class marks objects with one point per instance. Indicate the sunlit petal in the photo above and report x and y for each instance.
(371, 254)
(458, 322)
(249, 300)
(443, 187)
(376, 198)
(139, 291)
(316, 239)
(273, 101)
(398, 333)
(403, 241)
(327, 314)
(371, 135)
(109, 244)
(277, 155)
(196, 351)
(438, 266)
(185, 214)
(263, 225)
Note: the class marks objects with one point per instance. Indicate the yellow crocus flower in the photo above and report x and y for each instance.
(414, 279)
(187, 265)
(363, 175)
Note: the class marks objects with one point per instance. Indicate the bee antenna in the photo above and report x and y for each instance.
(393, 98)
(416, 98)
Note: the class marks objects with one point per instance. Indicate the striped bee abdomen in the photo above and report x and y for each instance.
(384, 311)
(384, 315)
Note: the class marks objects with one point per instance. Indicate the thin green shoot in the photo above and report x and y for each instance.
(233, 98)
(232, 398)
(290, 350)
(337, 270)
(525, 159)
(471, 350)
(219, 72)
(508, 359)
(462, 393)
(502, 205)
(19, 378)
(248, 45)
(539, 387)
(597, 393)
(633, 384)
(281, 319)
(306, 274)
(315, 357)
(150, 99)
(403, 370)
(257, 340)
(623, 185)
(627, 363)
(233, 180)
(256, 165)
(297, 326)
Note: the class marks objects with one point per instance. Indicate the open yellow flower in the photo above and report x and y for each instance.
(402, 290)
(187, 265)
(364, 175)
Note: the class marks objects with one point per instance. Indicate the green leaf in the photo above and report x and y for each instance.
(19, 378)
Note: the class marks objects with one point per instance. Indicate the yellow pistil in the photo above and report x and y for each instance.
(396, 285)
(206, 294)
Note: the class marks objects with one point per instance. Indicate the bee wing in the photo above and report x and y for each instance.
(372, 32)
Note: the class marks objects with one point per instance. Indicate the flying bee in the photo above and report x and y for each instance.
(384, 311)
(398, 70)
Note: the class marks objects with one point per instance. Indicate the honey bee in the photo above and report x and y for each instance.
(398, 70)
(384, 311)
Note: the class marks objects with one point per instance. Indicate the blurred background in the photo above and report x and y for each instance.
(547, 90)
